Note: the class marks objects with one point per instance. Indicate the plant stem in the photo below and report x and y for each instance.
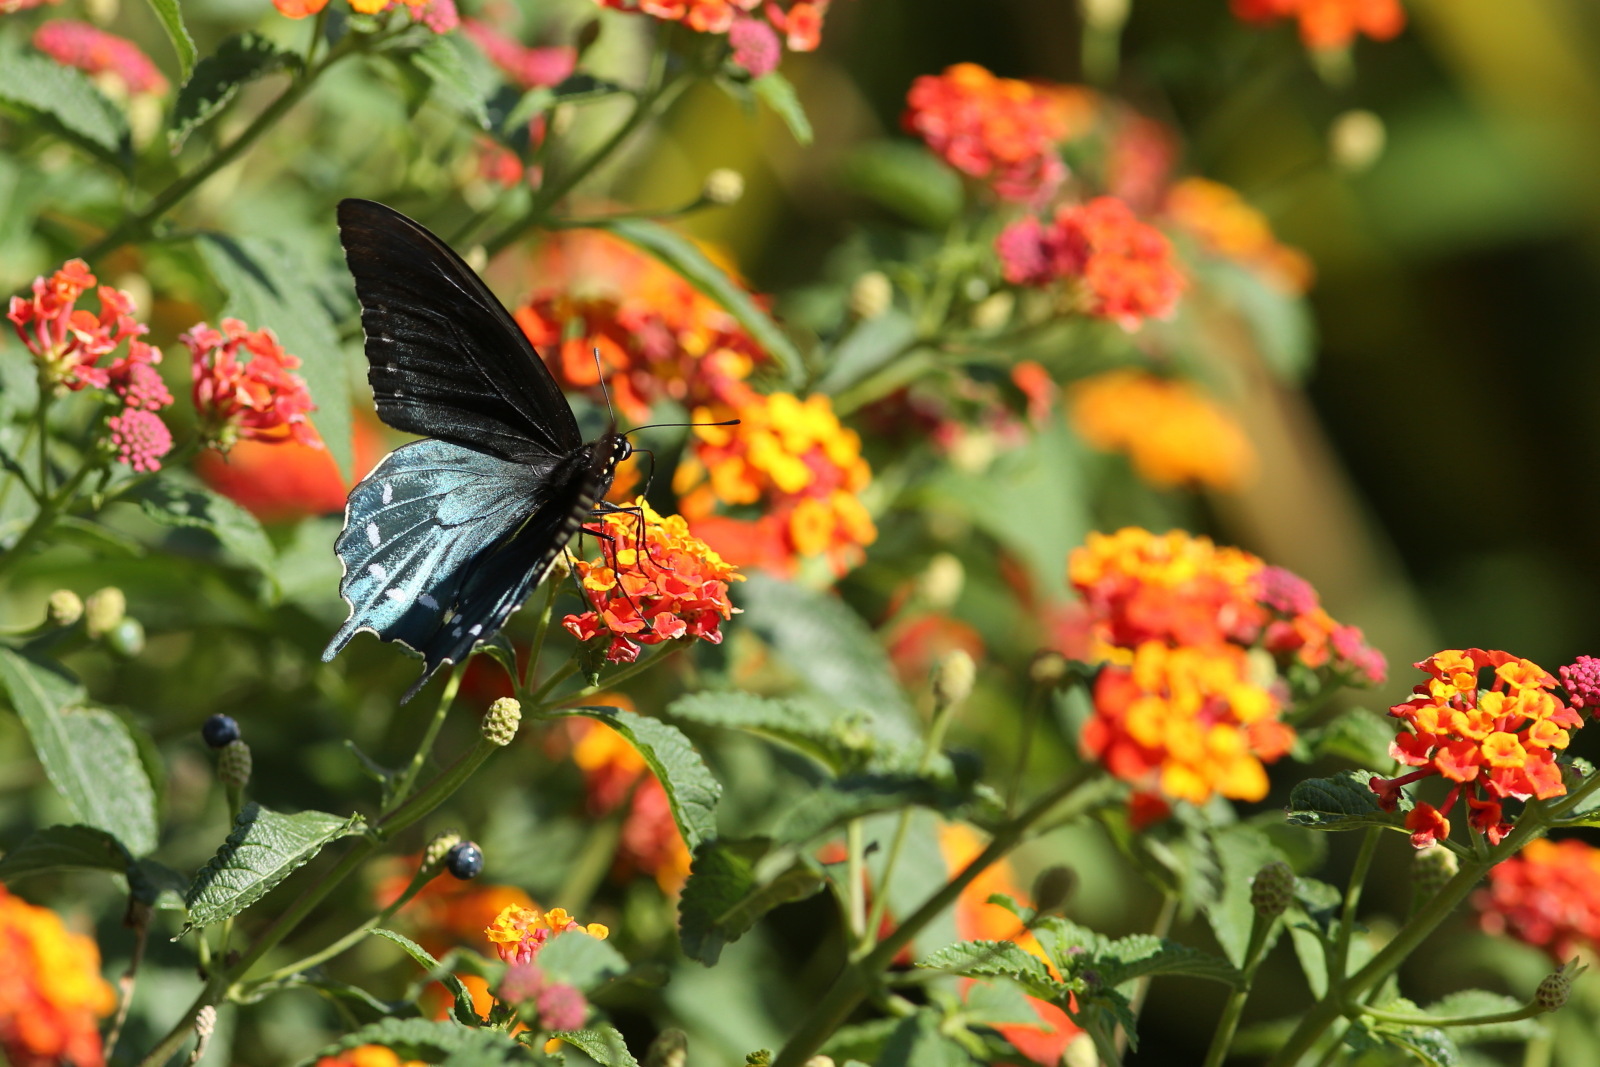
(402, 789)
(857, 979)
(855, 874)
(45, 518)
(130, 977)
(1339, 962)
(539, 635)
(1160, 928)
(1233, 1011)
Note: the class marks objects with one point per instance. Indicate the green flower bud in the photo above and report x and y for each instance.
(723, 186)
(233, 764)
(1356, 140)
(761, 1057)
(993, 312)
(126, 638)
(941, 583)
(501, 721)
(1080, 1052)
(669, 1049)
(1272, 889)
(1053, 888)
(1557, 986)
(871, 295)
(433, 855)
(1049, 667)
(953, 678)
(1431, 868)
(103, 610)
(64, 609)
(820, 1060)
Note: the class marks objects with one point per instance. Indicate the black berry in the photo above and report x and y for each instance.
(220, 731)
(464, 861)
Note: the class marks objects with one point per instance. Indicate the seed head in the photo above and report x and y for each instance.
(723, 186)
(501, 721)
(871, 295)
(103, 610)
(64, 609)
(233, 764)
(1272, 889)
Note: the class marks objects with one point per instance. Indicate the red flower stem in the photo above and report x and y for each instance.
(1076, 792)
(1339, 961)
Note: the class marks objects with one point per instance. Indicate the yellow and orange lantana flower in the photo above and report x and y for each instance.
(1329, 23)
(51, 991)
(518, 932)
(1171, 432)
(367, 1056)
(1226, 225)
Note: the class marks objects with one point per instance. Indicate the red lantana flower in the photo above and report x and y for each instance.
(654, 581)
(94, 51)
(524, 67)
(800, 24)
(1329, 23)
(1126, 268)
(1496, 744)
(1545, 896)
(245, 386)
(69, 341)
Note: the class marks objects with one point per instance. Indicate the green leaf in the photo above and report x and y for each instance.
(64, 848)
(267, 287)
(353, 1002)
(464, 1011)
(691, 789)
(581, 960)
(88, 753)
(835, 652)
(67, 99)
(433, 1041)
(919, 1041)
(681, 254)
(778, 93)
(867, 349)
(1468, 1002)
(906, 179)
(1241, 850)
(858, 796)
(1343, 802)
(263, 849)
(818, 728)
(729, 889)
(1134, 957)
(171, 19)
(460, 86)
(601, 1043)
(1358, 735)
(170, 503)
(157, 885)
(217, 79)
(997, 1004)
(997, 959)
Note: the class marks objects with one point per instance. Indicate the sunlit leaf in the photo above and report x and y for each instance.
(691, 789)
(217, 79)
(263, 849)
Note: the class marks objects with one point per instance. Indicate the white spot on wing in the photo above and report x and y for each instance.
(388, 492)
(372, 534)
(475, 631)
(395, 594)
(377, 571)
(428, 602)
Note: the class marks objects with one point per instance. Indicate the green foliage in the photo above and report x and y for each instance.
(463, 1009)
(816, 727)
(65, 99)
(64, 848)
(997, 959)
(907, 180)
(436, 1041)
(170, 503)
(263, 849)
(217, 79)
(774, 90)
(601, 1043)
(729, 888)
(1343, 802)
(170, 15)
(582, 961)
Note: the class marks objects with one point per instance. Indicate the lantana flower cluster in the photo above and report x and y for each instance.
(1227, 225)
(1326, 24)
(654, 581)
(1189, 701)
(754, 28)
(1001, 131)
(659, 338)
(1172, 432)
(614, 775)
(68, 344)
(794, 461)
(440, 16)
(1124, 269)
(51, 991)
(518, 932)
(1493, 744)
(1545, 896)
(97, 53)
(245, 386)
(367, 1056)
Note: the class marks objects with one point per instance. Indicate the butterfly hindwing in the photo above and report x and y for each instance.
(445, 358)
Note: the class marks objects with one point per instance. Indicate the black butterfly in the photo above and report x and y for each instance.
(446, 537)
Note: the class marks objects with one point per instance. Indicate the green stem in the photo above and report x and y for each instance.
(46, 392)
(1540, 1049)
(1030, 718)
(1404, 1018)
(855, 874)
(1160, 928)
(539, 634)
(1339, 962)
(1233, 1011)
(857, 980)
(402, 788)
(594, 859)
(45, 518)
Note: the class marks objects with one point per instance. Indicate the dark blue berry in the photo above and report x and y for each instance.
(464, 861)
(220, 731)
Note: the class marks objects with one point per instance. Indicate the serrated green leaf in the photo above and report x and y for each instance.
(1134, 957)
(433, 1041)
(919, 1041)
(906, 179)
(857, 796)
(997, 1004)
(836, 653)
(464, 1011)
(580, 960)
(171, 19)
(263, 849)
(691, 789)
(818, 728)
(726, 894)
(64, 848)
(68, 99)
(1470, 1002)
(266, 287)
(217, 79)
(997, 959)
(1430, 1045)
(1343, 802)
(776, 91)
(355, 1003)
(87, 753)
(461, 86)
(867, 349)
(1241, 850)
(1358, 735)
(601, 1043)
(169, 503)
(681, 254)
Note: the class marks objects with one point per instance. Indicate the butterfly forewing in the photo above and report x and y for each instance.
(445, 358)
(447, 537)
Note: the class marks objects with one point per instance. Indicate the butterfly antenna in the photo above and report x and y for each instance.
(671, 425)
(600, 374)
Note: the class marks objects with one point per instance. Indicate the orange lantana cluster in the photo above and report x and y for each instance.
(793, 460)
(658, 336)
(1226, 225)
(1125, 268)
(1545, 895)
(1001, 131)
(614, 774)
(1183, 706)
(440, 16)
(1494, 744)
(245, 386)
(518, 932)
(1329, 23)
(1043, 1042)
(654, 581)
(800, 24)
(51, 991)
(367, 1056)
(446, 912)
(1171, 431)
